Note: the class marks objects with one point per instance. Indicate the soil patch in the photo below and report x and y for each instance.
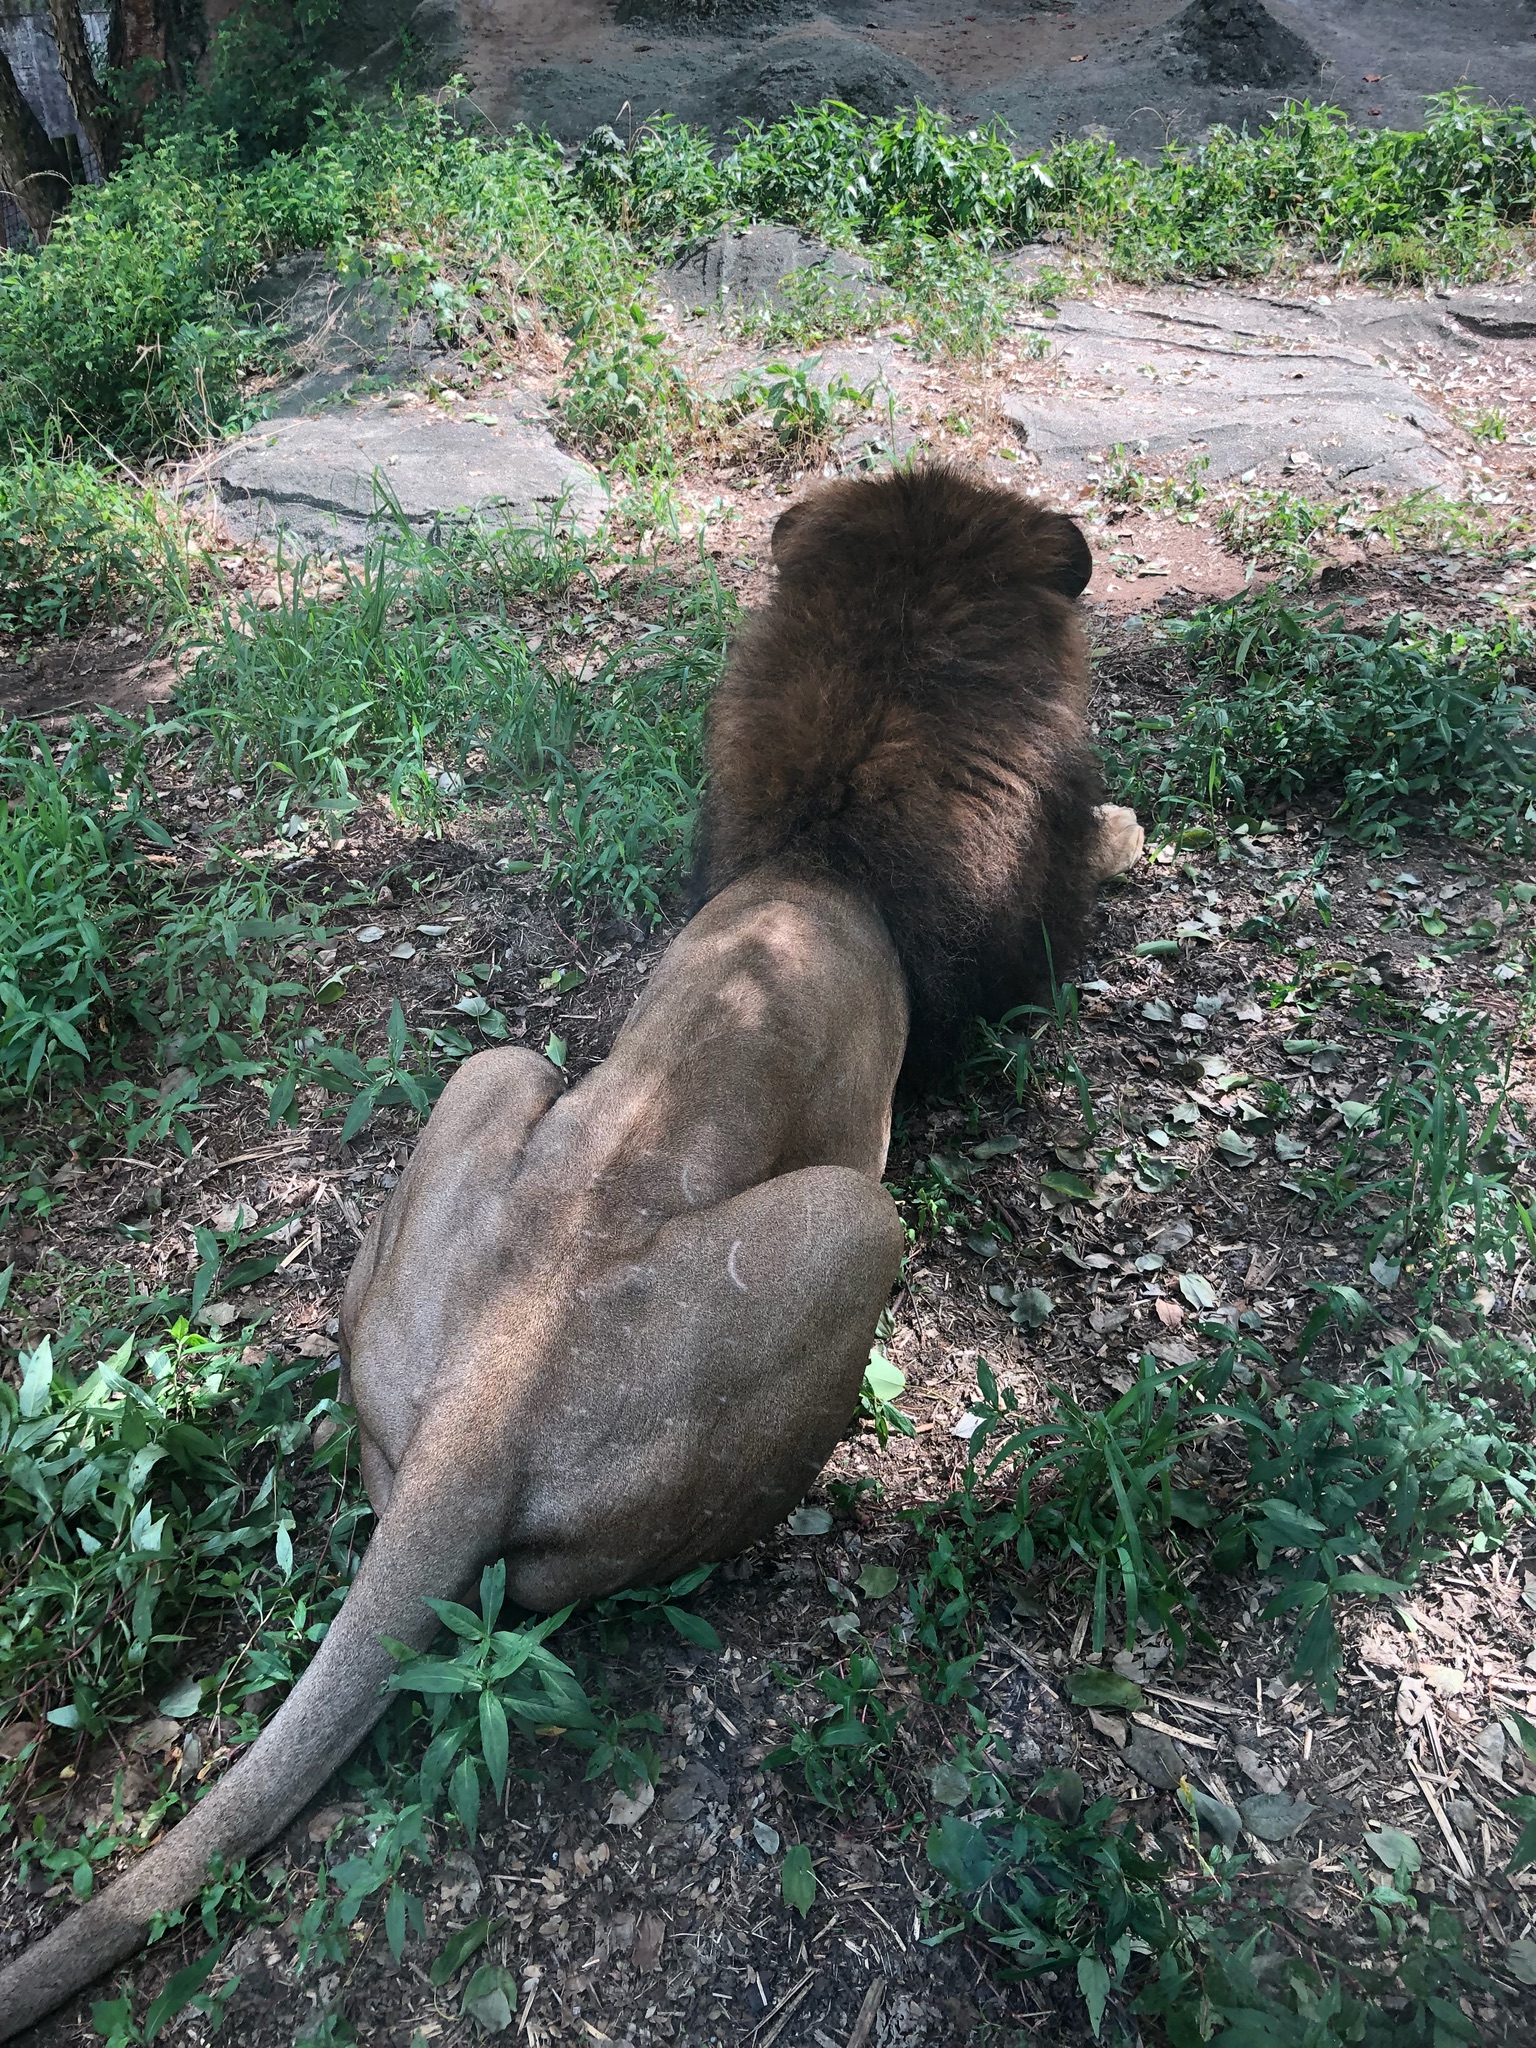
(1140, 71)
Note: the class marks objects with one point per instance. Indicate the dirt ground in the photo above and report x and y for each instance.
(1046, 67)
(669, 1927)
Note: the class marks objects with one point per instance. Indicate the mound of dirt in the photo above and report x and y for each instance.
(802, 70)
(1239, 42)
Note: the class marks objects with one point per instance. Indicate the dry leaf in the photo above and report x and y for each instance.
(323, 1825)
(1412, 1701)
(1488, 1751)
(650, 1935)
(1110, 1726)
(1258, 1773)
(626, 1808)
(1168, 1313)
(151, 1736)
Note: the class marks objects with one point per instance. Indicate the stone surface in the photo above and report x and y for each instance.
(1245, 383)
(1503, 312)
(334, 333)
(747, 270)
(320, 481)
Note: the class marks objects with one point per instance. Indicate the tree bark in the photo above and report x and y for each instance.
(32, 167)
(138, 35)
(138, 30)
(93, 109)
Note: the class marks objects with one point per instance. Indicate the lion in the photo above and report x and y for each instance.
(610, 1331)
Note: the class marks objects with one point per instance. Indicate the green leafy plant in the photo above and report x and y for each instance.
(883, 1387)
(807, 415)
(159, 1480)
(1439, 1161)
(623, 393)
(1411, 724)
(98, 946)
(846, 1751)
(1101, 1492)
(1351, 1491)
(496, 1679)
(641, 1604)
(77, 543)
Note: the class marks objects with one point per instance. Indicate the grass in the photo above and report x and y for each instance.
(1273, 528)
(79, 544)
(1403, 728)
(1304, 1484)
(414, 679)
(1437, 1164)
(145, 1497)
(103, 950)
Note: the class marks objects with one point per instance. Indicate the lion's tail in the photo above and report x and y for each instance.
(415, 1551)
(909, 715)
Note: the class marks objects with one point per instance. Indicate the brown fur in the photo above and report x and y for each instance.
(909, 714)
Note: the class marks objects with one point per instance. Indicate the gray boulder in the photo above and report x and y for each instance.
(334, 332)
(747, 271)
(323, 482)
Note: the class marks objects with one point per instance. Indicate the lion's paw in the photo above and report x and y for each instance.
(1121, 839)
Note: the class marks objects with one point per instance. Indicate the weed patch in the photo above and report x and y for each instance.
(1408, 726)
(415, 680)
(78, 544)
(158, 1487)
(100, 945)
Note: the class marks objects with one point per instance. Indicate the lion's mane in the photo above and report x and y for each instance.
(908, 713)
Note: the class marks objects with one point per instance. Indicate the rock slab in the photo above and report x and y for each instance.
(747, 270)
(325, 481)
(1242, 382)
(334, 332)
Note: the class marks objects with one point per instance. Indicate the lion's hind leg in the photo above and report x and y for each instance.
(722, 1373)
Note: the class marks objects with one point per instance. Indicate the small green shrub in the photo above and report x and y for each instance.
(844, 1751)
(953, 292)
(814, 304)
(660, 187)
(1411, 724)
(807, 414)
(160, 1480)
(98, 946)
(78, 543)
(623, 392)
(1438, 1162)
(268, 83)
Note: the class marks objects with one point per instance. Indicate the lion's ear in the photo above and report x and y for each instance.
(1066, 560)
(784, 527)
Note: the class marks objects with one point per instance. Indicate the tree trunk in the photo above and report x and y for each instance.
(32, 167)
(93, 110)
(138, 36)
